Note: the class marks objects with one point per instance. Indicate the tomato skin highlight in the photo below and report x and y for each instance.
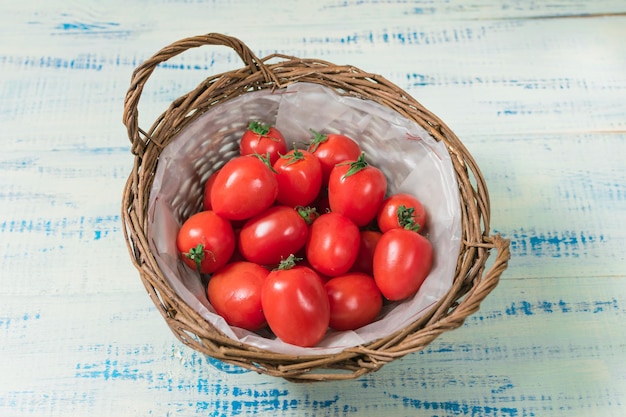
(402, 261)
(272, 143)
(273, 235)
(333, 244)
(215, 235)
(244, 187)
(332, 149)
(296, 305)
(355, 301)
(299, 180)
(387, 217)
(234, 291)
(357, 196)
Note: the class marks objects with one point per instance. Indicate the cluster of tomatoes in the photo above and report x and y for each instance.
(303, 240)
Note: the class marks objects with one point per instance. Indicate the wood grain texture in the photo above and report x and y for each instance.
(534, 89)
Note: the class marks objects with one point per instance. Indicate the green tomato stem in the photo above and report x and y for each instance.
(356, 166)
(288, 263)
(309, 214)
(293, 157)
(406, 218)
(318, 138)
(259, 128)
(197, 255)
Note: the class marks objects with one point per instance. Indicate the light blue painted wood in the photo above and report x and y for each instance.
(535, 90)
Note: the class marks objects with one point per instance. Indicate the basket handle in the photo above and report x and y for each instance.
(142, 73)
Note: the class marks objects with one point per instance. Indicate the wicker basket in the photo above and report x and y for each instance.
(473, 279)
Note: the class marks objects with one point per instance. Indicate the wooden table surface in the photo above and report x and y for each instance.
(536, 91)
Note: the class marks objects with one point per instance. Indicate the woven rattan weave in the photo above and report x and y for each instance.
(474, 278)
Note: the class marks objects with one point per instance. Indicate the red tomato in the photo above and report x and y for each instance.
(273, 235)
(369, 240)
(244, 187)
(262, 139)
(401, 211)
(356, 190)
(234, 291)
(332, 149)
(206, 241)
(402, 261)
(333, 244)
(299, 176)
(206, 201)
(354, 299)
(296, 305)
(304, 262)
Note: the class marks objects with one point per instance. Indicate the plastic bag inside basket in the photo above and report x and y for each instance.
(410, 158)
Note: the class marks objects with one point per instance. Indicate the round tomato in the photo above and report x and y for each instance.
(356, 190)
(206, 201)
(354, 299)
(206, 241)
(262, 139)
(296, 305)
(402, 261)
(234, 291)
(333, 244)
(245, 186)
(273, 235)
(369, 240)
(401, 211)
(332, 149)
(299, 176)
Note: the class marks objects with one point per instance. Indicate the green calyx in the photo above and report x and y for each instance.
(197, 255)
(266, 160)
(309, 214)
(406, 218)
(288, 263)
(259, 128)
(356, 166)
(294, 156)
(318, 138)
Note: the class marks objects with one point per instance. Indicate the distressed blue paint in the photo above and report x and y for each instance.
(555, 244)
(226, 367)
(457, 407)
(92, 228)
(523, 308)
(111, 369)
(9, 323)
(406, 36)
(86, 27)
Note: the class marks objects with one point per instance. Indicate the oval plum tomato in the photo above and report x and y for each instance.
(354, 299)
(332, 149)
(402, 261)
(244, 187)
(273, 235)
(333, 244)
(401, 211)
(262, 139)
(234, 291)
(206, 241)
(206, 201)
(296, 305)
(369, 240)
(299, 176)
(356, 189)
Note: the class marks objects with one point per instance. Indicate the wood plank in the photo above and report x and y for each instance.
(534, 89)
